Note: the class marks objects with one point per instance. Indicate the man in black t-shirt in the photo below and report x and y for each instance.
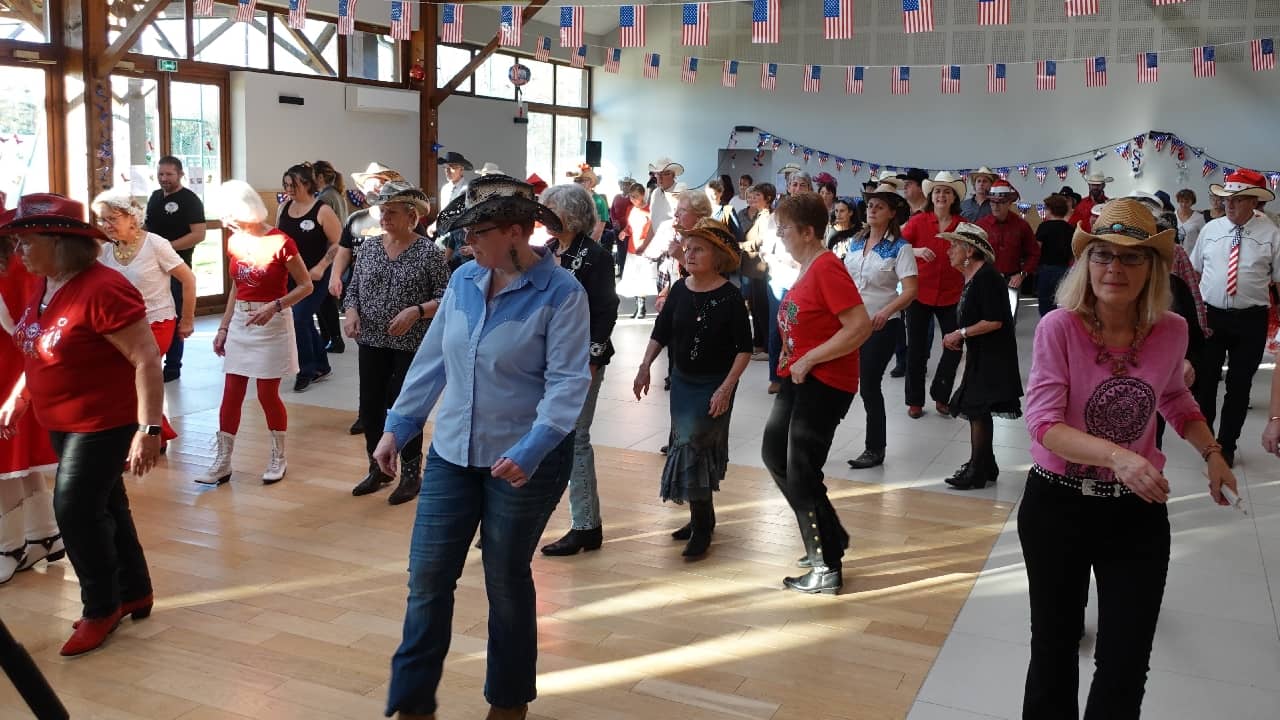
(177, 215)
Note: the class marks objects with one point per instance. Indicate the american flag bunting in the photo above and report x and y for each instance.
(244, 10)
(1262, 53)
(765, 22)
(1076, 8)
(542, 48)
(729, 77)
(812, 78)
(853, 75)
(631, 26)
(917, 15)
(689, 70)
(298, 14)
(651, 61)
(997, 78)
(1148, 68)
(951, 80)
(769, 76)
(1046, 75)
(613, 60)
(511, 26)
(837, 19)
(901, 81)
(695, 24)
(203, 8)
(570, 26)
(1166, 2)
(401, 20)
(1202, 62)
(451, 23)
(1095, 72)
(993, 12)
(578, 58)
(346, 17)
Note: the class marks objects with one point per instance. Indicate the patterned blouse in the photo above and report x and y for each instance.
(381, 287)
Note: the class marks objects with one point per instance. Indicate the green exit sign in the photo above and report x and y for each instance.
(167, 65)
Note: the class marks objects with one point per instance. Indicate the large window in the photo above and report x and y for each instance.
(24, 152)
(166, 36)
(219, 39)
(24, 20)
(491, 77)
(373, 57)
(449, 62)
(312, 50)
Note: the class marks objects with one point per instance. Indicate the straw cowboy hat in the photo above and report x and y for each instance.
(490, 168)
(496, 196)
(1096, 178)
(789, 168)
(51, 214)
(972, 235)
(413, 197)
(984, 170)
(375, 169)
(1244, 183)
(890, 179)
(946, 178)
(720, 237)
(1127, 222)
(666, 163)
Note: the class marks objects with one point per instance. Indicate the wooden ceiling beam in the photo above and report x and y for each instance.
(144, 17)
(439, 96)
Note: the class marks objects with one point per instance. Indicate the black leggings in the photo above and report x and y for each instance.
(919, 346)
(382, 372)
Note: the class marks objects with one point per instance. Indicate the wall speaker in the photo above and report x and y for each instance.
(594, 150)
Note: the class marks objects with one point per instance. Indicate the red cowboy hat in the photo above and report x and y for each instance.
(50, 213)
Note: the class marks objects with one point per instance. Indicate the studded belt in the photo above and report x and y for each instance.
(1088, 487)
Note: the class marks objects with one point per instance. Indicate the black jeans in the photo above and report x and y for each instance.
(874, 357)
(92, 510)
(382, 372)
(1239, 338)
(797, 439)
(918, 349)
(1126, 543)
(173, 358)
(758, 300)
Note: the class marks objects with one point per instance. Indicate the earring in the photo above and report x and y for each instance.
(966, 262)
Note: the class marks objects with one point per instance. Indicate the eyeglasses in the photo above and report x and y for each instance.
(1106, 257)
(110, 220)
(474, 233)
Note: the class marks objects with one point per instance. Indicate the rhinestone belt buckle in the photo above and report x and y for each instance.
(1098, 488)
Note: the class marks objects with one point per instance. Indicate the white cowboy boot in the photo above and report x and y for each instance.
(44, 542)
(220, 471)
(276, 465)
(12, 543)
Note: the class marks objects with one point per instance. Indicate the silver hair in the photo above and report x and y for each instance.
(573, 203)
(120, 200)
(240, 202)
(699, 203)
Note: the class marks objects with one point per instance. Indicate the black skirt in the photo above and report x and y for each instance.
(992, 382)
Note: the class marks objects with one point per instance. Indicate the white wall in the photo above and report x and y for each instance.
(482, 130)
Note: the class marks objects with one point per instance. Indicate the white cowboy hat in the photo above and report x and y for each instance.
(947, 178)
(984, 170)
(1097, 178)
(1244, 183)
(666, 163)
(489, 169)
(375, 169)
(789, 168)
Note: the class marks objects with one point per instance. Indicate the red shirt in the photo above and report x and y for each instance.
(78, 380)
(940, 284)
(258, 265)
(1083, 214)
(808, 317)
(1014, 243)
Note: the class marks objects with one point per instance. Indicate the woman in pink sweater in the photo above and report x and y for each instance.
(1103, 365)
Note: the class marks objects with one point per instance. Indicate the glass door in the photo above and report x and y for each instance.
(24, 133)
(195, 138)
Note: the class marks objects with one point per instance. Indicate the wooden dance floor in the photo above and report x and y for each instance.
(286, 602)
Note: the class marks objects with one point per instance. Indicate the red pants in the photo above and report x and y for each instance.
(163, 332)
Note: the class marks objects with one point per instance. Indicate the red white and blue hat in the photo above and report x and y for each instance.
(1244, 183)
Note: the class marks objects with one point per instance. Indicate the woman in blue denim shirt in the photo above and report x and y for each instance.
(508, 350)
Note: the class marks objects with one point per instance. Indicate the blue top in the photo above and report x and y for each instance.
(513, 369)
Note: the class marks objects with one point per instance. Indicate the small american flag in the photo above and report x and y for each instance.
(1046, 75)
(812, 78)
(1167, 2)
(1263, 54)
(511, 26)
(769, 76)
(837, 19)
(631, 26)
(651, 61)
(1081, 7)
(993, 12)
(346, 17)
(244, 10)
(401, 20)
(853, 75)
(695, 24)
(997, 81)
(1202, 62)
(901, 84)
(451, 23)
(612, 61)
(1148, 68)
(203, 8)
(578, 58)
(917, 15)
(542, 48)
(689, 70)
(570, 26)
(951, 80)
(1095, 72)
(764, 21)
(729, 78)
(298, 14)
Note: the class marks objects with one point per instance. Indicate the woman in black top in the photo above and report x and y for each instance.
(592, 265)
(705, 323)
(992, 384)
(315, 229)
(1054, 236)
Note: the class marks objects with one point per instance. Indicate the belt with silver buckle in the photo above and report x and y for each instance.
(1089, 487)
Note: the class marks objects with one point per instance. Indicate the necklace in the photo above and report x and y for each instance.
(701, 318)
(1120, 363)
(126, 252)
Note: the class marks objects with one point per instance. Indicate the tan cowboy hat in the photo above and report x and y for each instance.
(666, 163)
(1128, 222)
(720, 237)
(375, 169)
(412, 197)
(1244, 183)
(947, 178)
(1097, 178)
(973, 235)
(984, 170)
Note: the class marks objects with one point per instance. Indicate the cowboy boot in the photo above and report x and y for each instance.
(44, 542)
(821, 578)
(520, 712)
(12, 546)
(702, 520)
(277, 466)
(684, 532)
(373, 481)
(575, 540)
(220, 471)
(90, 633)
(410, 481)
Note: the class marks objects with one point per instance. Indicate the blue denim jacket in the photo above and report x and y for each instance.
(513, 370)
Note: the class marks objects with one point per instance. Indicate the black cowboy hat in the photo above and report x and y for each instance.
(496, 196)
(453, 158)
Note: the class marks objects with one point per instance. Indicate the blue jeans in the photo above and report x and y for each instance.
(584, 501)
(453, 500)
(312, 359)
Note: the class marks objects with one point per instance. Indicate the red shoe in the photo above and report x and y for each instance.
(91, 633)
(942, 408)
(139, 609)
(915, 412)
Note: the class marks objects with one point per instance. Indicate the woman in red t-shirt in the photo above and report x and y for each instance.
(92, 376)
(256, 335)
(822, 322)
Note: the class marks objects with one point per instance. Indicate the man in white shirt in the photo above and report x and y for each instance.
(663, 199)
(1238, 258)
(455, 169)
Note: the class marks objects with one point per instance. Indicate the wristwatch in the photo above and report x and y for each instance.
(151, 430)
(964, 332)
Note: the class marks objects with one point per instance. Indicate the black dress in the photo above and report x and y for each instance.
(992, 383)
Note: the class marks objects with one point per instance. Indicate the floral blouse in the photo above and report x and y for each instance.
(381, 287)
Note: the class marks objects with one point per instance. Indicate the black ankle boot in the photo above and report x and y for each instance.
(372, 482)
(410, 482)
(702, 520)
(684, 532)
(575, 540)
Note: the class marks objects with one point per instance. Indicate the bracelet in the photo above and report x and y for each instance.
(279, 305)
(222, 329)
(1273, 418)
(421, 312)
(1210, 449)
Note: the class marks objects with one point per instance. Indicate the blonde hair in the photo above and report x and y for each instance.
(1075, 293)
(238, 201)
(120, 200)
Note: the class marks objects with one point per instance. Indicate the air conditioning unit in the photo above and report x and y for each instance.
(362, 98)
